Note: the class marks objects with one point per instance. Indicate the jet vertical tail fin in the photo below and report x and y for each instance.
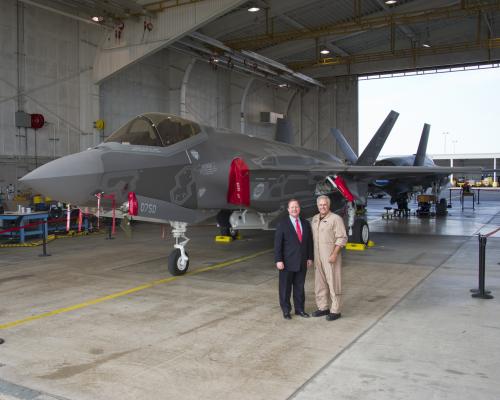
(344, 146)
(422, 147)
(371, 152)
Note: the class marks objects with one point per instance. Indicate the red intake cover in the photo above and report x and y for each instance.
(238, 191)
(342, 187)
(133, 206)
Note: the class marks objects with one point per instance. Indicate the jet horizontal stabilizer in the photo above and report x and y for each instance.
(349, 153)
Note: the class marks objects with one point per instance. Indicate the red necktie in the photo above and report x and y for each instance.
(297, 227)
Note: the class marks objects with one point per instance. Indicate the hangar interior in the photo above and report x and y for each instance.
(101, 319)
(214, 62)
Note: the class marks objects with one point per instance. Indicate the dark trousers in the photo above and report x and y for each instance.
(289, 280)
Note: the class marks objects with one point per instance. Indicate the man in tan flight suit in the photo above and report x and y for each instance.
(329, 236)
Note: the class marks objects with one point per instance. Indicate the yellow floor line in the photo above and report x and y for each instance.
(129, 291)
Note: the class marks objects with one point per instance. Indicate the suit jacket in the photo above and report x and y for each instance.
(287, 247)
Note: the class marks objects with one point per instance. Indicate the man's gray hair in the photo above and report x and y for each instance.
(323, 197)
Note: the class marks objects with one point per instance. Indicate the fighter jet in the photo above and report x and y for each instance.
(162, 168)
(401, 188)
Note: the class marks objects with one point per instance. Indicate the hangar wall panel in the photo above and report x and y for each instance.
(205, 95)
(314, 112)
(178, 64)
(144, 87)
(262, 97)
(310, 119)
(346, 113)
(327, 119)
(49, 80)
(237, 88)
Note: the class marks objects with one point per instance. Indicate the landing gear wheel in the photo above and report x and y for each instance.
(234, 233)
(360, 232)
(176, 264)
(224, 225)
(229, 231)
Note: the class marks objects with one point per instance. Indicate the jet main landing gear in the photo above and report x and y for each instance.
(224, 224)
(178, 260)
(361, 232)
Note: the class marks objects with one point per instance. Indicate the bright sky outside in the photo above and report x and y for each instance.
(463, 109)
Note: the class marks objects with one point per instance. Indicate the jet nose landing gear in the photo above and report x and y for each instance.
(178, 260)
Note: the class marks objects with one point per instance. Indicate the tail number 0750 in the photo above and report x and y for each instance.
(148, 208)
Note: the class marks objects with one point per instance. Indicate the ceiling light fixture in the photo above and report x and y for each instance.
(390, 2)
(324, 51)
(426, 44)
(253, 9)
(97, 18)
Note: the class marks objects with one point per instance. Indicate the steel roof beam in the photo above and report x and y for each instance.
(407, 31)
(295, 47)
(239, 19)
(367, 23)
(401, 53)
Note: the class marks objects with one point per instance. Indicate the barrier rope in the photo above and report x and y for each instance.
(492, 232)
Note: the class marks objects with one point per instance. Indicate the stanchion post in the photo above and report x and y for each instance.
(44, 238)
(110, 231)
(481, 293)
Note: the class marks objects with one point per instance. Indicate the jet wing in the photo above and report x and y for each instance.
(388, 172)
(369, 172)
(359, 177)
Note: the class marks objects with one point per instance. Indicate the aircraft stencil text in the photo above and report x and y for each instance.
(148, 208)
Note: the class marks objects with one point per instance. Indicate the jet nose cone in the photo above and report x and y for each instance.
(72, 179)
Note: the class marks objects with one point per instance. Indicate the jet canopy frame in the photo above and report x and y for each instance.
(155, 129)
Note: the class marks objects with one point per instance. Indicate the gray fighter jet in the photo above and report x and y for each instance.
(400, 188)
(162, 168)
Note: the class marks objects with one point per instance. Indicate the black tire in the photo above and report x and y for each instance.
(442, 207)
(233, 233)
(360, 232)
(174, 266)
(229, 231)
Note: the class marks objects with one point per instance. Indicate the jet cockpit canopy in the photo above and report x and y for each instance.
(155, 129)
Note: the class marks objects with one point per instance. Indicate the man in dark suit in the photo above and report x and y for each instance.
(293, 253)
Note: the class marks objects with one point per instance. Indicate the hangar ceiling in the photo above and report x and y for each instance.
(357, 36)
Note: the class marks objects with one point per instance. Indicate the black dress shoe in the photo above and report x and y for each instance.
(302, 314)
(287, 315)
(333, 316)
(320, 313)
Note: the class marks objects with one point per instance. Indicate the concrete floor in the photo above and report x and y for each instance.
(103, 319)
